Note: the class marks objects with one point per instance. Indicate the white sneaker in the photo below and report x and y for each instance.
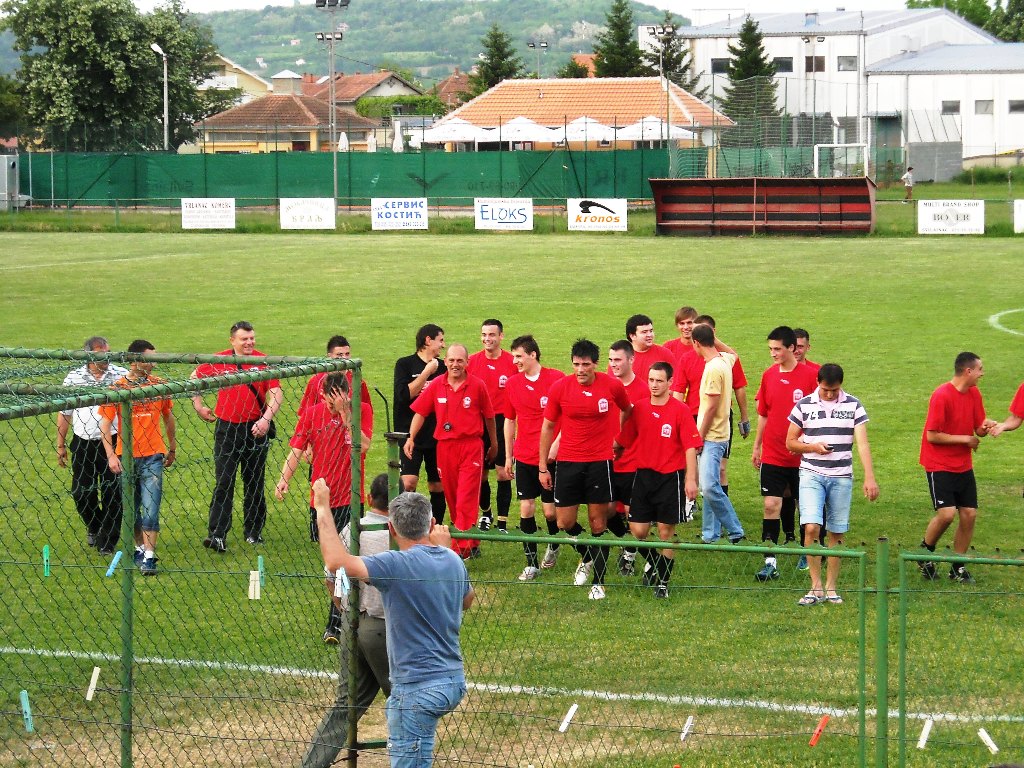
(688, 510)
(529, 573)
(583, 572)
(550, 557)
(596, 593)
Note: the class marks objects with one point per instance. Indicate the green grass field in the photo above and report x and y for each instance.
(753, 668)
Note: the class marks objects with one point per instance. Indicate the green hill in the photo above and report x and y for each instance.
(427, 36)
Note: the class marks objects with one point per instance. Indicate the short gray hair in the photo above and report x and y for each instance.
(94, 342)
(410, 515)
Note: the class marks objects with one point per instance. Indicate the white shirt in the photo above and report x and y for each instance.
(86, 421)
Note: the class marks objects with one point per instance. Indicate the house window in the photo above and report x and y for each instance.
(1016, 107)
(719, 66)
(604, 143)
(846, 63)
(814, 63)
(984, 107)
(783, 64)
(951, 107)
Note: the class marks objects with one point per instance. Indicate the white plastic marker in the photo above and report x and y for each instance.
(988, 741)
(686, 728)
(341, 583)
(113, 563)
(254, 585)
(568, 718)
(925, 732)
(92, 684)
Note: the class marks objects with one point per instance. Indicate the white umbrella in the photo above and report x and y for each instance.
(525, 129)
(371, 142)
(651, 129)
(398, 145)
(343, 142)
(455, 130)
(585, 129)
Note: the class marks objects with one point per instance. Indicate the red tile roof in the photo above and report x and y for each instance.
(351, 87)
(452, 88)
(587, 60)
(614, 101)
(286, 111)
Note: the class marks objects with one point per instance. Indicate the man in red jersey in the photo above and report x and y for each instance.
(324, 430)
(689, 366)
(952, 431)
(663, 434)
(582, 406)
(494, 367)
(338, 348)
(621, 356)
(526, 396)
(244, 415)
(783, 384)
(640, 334)
(462, 410)
(1014, 418)
(803, 346)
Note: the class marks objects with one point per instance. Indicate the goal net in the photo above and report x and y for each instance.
(840, 160)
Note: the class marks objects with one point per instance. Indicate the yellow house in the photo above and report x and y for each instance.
(227, 74)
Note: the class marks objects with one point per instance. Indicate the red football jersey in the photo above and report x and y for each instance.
(638, 391)
(778, 393)
(494, 373)
(1017, 406)
(588, 417)
(660, 435)
(332, 450)
(955, 413)
(462, 410)
(316, 385)
(525, 401)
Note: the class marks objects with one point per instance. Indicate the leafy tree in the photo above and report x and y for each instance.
(750, 97)
(10, 106)
(89, 78)
(673, 55)
(573, 69)
(975, 11)
(379, 106)
(1007, 23)
(617, 52)
(497, 62)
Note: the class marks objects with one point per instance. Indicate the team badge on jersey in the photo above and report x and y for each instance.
(602, 405)
(544, 401)
(666, 430)
(502, 381)
(798, 395)
(466, 402)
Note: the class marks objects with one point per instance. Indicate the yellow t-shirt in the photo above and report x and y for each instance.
(717, 380)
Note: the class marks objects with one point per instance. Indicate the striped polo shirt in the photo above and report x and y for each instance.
(830, 422)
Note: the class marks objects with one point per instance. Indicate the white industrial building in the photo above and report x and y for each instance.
(907, 79)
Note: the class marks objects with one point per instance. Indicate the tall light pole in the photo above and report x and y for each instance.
(331, 38)
(160, 52)
(663, 33)
(538, 46)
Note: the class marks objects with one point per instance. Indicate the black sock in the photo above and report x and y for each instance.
(552, 530)
(485, 493)
(788, 516)
(504, 501)
(314, 529)
(583, 549)
(929, 547)
(726, 489)
(665, 572)
(437, 506)
(600, 555)
(617, 525)
(770, 531)
(334, 617)
(528, 525)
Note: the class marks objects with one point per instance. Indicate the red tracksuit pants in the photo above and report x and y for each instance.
(460, 462)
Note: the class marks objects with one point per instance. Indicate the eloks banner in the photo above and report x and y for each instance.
(503, 212)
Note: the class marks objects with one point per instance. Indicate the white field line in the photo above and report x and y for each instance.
(996, 322)
(582, 693)
(125, 259)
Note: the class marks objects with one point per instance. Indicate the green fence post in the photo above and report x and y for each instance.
(882, 652)
(862, 663)
(352, 738)
(901, 665)
(395, 440)
(127, 549)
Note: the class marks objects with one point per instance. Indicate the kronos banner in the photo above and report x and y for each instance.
(597, 215)
(307, 213)
(503, 212)
(207, 213)
(398, 212)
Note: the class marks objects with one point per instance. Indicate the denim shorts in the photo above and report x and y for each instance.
(825, 501)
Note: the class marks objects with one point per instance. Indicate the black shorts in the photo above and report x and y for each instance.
(658, 497)
(528, 484)
(775, 480)
(953, 489)
(499, 457)
(622, 486)
(583, 482)
(421, 455)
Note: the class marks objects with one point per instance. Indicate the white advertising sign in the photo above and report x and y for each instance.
(207, 213)
(307, 213)
(503, 212)
(597, 214)
(398, 212)
(1018, 216)
(951, 217)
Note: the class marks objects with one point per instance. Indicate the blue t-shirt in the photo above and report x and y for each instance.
(422, 589)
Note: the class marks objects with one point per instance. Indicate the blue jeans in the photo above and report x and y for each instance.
(825, 501)
(718, 509)
(413, 711)
(149, 488)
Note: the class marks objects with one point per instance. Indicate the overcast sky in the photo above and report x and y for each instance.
(694, 9)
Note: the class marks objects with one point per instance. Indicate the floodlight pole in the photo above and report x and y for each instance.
(331, 38)
(664, 33)
(160, 52)
(538, 46)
